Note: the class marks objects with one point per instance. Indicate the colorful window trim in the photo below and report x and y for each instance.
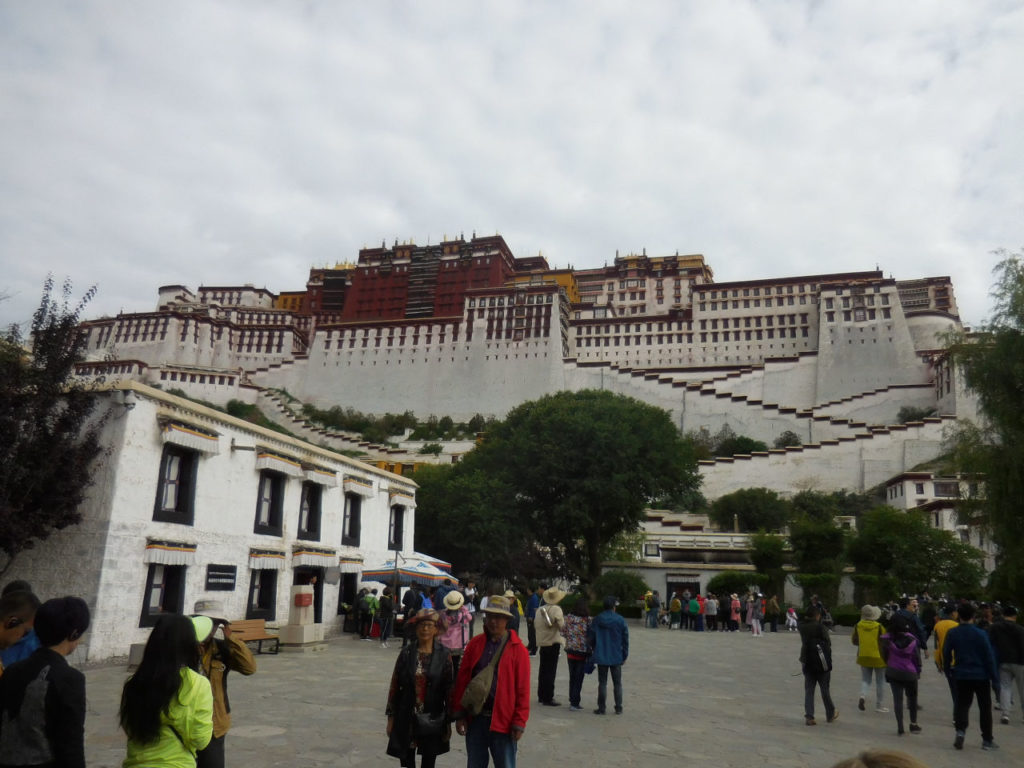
(277, 463)
(315, 556)
(190, 437)
(169, 552)
(267, 559)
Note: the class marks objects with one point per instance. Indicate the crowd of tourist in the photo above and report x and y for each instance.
(174, 709)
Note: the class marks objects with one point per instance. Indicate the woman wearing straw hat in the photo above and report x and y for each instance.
(421, 686)
(549, 622)
(454, 626)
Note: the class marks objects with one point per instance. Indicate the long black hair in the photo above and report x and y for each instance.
(171, 646)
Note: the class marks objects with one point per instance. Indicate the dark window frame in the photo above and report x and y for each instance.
(172, 587)
(262, 600)
(312, 495)
(275, 499)
(183, 510)
(351, 530)
(396, 526)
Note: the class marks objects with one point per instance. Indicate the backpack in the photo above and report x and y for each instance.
(364, 603)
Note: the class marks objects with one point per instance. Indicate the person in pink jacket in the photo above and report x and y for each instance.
(455, 626)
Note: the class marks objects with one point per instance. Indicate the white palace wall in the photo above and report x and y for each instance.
(455, 378)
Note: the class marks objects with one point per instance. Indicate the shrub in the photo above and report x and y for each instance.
(845, 615)
(625, 585)
(728, 582)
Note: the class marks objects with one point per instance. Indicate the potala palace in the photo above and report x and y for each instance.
(464, 327)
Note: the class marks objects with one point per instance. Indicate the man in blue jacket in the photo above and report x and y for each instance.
(608, 635)
(967, 653)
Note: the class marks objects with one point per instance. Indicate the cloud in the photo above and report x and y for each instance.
(229, 142)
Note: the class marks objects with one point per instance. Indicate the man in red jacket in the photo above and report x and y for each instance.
(495, 732)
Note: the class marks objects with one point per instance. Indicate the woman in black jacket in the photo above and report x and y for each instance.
(418, 700)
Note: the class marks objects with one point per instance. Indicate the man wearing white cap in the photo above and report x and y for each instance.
(217, 658)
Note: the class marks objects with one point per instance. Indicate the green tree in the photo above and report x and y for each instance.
(786, 439)
(576, 470)
(728, 443)
(903, 547)
(50, 434)
(992, 362)
(753, 509)
(817, 545)
(625, 585)
(768, 556)
(909, 413)
(729, 582)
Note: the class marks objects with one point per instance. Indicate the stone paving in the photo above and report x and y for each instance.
(727, 700)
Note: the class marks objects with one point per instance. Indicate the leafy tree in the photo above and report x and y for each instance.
(909, 413)
(50, 435)
(728, 443)
(690, 500)
(815, 506)
(786, 439)
(575, 470)
(992, 363)
(768, 556)
(905, 548)
(729, 582)
(753, 509)
(817, 545)
(465, 517)
(625, 585)
(432, 448)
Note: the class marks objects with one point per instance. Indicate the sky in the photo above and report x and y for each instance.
(220, 142)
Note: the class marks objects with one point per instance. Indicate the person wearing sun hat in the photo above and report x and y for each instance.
(454, 626)
(548, 624)
(496, 730)
(866, 636)
(218, 656)
(516, 607)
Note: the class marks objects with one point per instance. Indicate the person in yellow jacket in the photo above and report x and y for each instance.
(217, 658)
(866, 637)
(167, 706)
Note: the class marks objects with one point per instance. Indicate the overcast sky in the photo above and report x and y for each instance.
(148, 143)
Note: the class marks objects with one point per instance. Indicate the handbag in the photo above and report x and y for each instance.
(425, 724)
(475, 695)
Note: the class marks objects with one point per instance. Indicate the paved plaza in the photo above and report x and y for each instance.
(723, 700)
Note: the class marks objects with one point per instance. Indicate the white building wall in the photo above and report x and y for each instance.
(102, 559)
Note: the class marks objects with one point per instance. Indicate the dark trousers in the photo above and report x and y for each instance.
(899, 687)
(577, 671)
(966, 690)
(531, 637)
(602, 686)
(821, 680)
(365, 623)
(546, 673)
(385, 628)
(409, 761)
(712, 622)
(212, 756)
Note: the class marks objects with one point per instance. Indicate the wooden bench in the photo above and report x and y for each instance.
(254, 631)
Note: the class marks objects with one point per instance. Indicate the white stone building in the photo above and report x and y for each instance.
(189, 503)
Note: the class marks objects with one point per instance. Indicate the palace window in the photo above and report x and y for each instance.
(165, 592)
(262, 595)
(175, 495)
(270, 503)
(350, 531)
(309, 511)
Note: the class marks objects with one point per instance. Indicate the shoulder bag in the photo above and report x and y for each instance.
(475, 695)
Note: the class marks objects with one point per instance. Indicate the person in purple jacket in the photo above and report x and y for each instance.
(902, 654)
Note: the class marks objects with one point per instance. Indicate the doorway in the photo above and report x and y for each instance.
(313, 576)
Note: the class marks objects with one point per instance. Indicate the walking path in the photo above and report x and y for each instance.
(723, 700)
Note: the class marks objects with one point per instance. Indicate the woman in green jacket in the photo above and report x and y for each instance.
(167, 706)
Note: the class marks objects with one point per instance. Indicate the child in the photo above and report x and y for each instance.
(17, 612)
(791, 620)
